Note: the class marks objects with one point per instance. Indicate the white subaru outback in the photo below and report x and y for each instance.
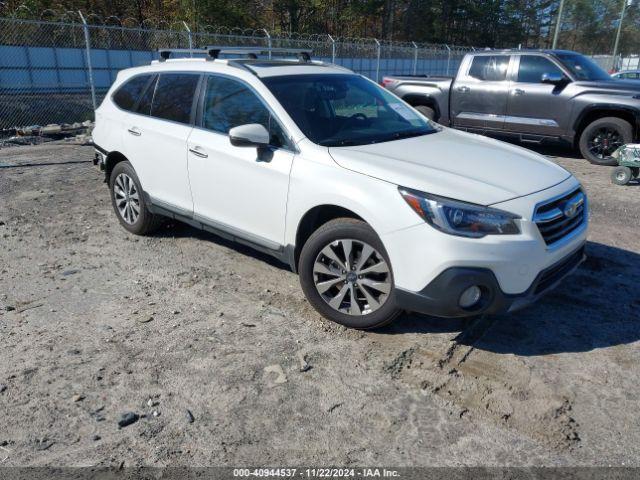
(377, 209)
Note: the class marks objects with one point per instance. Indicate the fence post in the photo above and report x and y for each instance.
(189, 36)
(87, 42)
(415, 58)
(268, 41)
(378, 60)
(333, 48)
(448, 58)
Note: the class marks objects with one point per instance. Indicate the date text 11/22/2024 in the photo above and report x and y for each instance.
(317, 472)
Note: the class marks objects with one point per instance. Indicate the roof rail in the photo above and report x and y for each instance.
(214, 51)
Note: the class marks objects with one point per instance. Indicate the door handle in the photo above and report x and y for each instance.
(518, 91)
(134, 131)
(464, 89)
(197, 151)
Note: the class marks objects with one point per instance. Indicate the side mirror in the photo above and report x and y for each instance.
(553, 78)
(250, 135)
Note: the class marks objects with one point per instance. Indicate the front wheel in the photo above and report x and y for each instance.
(602, 137)
(346, 275)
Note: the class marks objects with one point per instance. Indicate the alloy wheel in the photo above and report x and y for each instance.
(352, 277)
(604, 141)
(127, 198)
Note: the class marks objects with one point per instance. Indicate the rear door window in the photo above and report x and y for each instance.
(173, 98)
(492, 68)
(128, 94)
(532, 67)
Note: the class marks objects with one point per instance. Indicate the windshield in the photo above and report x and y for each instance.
(339, 110)
(582, 67)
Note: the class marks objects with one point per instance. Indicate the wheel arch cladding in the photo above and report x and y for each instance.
(417, 100)
(314, 219)
(113, 158)
(594, 113)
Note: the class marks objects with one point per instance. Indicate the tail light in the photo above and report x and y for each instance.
(387, 82)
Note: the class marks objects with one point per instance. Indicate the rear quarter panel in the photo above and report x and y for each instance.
(110, 121)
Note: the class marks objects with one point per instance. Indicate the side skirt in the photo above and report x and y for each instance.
(283, 253)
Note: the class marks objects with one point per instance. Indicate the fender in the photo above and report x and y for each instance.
(609, 107)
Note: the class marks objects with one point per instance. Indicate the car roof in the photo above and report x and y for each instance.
(523, 51)
(257, 67)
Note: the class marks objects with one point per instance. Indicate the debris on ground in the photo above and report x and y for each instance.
(127, 419)
(190, 417)
(77, 133)
(304, 365)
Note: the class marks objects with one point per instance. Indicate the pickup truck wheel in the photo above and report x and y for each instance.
(602, 137)
(346, 275)
(426, 111)
(129, 203)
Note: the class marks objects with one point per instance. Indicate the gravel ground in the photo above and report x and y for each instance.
(215, 349)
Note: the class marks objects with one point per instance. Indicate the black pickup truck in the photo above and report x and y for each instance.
(533, 96)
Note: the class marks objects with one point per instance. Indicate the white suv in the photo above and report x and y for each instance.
(377, 209)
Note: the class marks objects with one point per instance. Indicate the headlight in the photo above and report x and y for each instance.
(460, 218)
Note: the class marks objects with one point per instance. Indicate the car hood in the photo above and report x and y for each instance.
(454, 164)
(617, 86)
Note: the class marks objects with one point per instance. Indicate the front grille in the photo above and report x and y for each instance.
(559, 217)
(556, 272)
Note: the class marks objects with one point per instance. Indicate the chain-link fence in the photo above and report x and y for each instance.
(56, 72)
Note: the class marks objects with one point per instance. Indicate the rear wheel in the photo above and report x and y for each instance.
(621, 175)
(346, 275)
(128, 201)
(602, 137)
(426, 111)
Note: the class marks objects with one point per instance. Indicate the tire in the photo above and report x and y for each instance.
(373, 308)
(602, 137)
(125, 187)
(426, 111)
(621, 175)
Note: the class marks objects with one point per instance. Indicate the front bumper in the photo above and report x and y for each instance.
(441, 297)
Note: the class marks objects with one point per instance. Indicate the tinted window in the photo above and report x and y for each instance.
(229, 104)
(532, 68)
(127, 95)
(340, 110)
(144, 105)
(173, 98)
(582, 67)
(489, 67)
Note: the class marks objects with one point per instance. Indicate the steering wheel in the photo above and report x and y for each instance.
(359, 116)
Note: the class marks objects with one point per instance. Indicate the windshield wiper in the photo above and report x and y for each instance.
(372, 140)
(409, 134)
(337, 143)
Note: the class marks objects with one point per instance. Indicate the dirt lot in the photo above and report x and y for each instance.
(95, 322)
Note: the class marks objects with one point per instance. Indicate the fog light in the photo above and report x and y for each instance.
(470, 297)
